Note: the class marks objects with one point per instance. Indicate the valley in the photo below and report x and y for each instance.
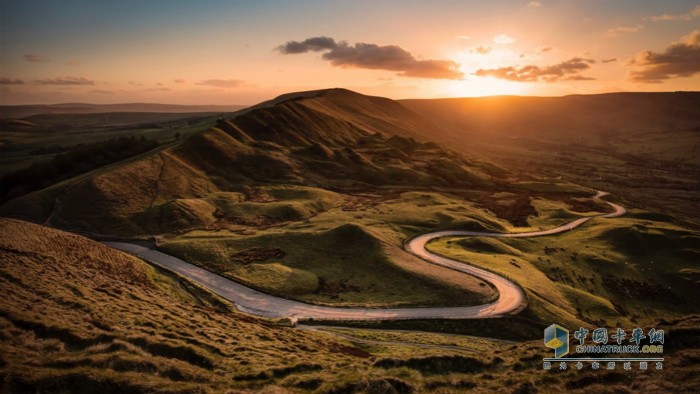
(330, 207)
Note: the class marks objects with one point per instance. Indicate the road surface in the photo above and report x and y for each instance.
(511, 297)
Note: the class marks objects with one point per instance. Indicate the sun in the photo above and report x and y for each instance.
(473, 86)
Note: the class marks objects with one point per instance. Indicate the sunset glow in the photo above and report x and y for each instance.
(222, 52)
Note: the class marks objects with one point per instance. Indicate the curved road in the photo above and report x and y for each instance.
(511, 296)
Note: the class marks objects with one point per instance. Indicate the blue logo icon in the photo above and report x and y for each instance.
(557, 337)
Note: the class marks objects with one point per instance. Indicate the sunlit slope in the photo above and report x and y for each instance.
(77, 316)
(332, 139)
(295, 175)
(625, 270)
(642, 147)
(367, 113)
(592, 115)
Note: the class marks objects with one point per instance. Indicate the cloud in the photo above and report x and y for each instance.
(612, 59)
(314, 44)
(178, 80)
(569, 70)
(223, 83)
(10, 81)
(481, 50)
(463, 37)
(72, 63)
(614, 32)
(534, 4)
(681, 59)
(503, 39)
(100, 91)
(544, 49)
(374, 57)
(65, 81)
(693, 13)
(36, 58)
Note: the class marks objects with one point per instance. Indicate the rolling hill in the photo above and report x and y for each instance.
(77, 316)
(594, 117)
(249, 196)
(333, 139)
(309, 196)
(293, 172)
(643, 147)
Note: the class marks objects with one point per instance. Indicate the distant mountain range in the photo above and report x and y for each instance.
(21, 111)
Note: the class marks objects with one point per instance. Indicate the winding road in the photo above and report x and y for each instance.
(511, 296)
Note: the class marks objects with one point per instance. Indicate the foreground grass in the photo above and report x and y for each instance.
(79, 317)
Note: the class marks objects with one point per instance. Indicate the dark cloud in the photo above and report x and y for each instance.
(10, 81)
(222, 83)
(544, 49)
(569, 70)
(65, 81)
(314, 44)
(612, 59)
(681, 59)
(35, 58)
(374, 57)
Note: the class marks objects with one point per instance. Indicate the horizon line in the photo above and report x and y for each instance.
(320, 90)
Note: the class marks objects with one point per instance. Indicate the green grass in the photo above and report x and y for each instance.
(22, 147)
(346, 265)
(278, 278)
(616, 271)
(79, 317)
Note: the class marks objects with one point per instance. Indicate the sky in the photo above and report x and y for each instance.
(236, 52)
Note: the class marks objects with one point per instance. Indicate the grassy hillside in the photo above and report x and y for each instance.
(292, 182)
(297, 141)
(591, 117)
(294, 175)
(642, 147)
(40, 137)
(82, 159)
(610, 272)
(79, 317)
